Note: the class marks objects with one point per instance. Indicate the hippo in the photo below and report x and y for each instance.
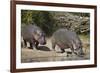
(66, 39)
(33, 35)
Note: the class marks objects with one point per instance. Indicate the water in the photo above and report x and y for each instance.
(49, 59)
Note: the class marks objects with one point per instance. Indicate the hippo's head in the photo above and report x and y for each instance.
(79, 51)
(41, 38)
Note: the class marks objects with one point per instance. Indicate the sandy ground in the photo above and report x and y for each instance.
(45, 53)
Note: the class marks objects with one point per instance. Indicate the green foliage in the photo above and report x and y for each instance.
(43, 19)
(81, 14)
(49, 21)
(26, 16)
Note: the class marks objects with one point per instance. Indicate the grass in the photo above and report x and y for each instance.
(84, 37)
(85, 42)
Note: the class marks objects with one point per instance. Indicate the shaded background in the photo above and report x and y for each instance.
(49, 21)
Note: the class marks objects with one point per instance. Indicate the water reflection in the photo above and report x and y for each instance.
(46, 59)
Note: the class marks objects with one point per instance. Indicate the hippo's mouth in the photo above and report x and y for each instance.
(42, 43)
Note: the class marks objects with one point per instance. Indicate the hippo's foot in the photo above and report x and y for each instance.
(37, 47)
(30, 47)
(36, 44)
(62, 50)
(69, 53)
(79, 55)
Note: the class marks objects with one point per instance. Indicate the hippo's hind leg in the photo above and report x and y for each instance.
(25, 44)
(53, 46)
(36, 44)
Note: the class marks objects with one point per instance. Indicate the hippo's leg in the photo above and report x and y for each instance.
(22, 45)
(36, 44)
(25, 43)
(32, 44)
(53, 46)
(62, 50)
(72, 49)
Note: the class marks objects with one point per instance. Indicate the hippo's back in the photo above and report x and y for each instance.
(65, 38)
(64, 34)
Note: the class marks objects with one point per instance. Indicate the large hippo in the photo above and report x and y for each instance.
(34, 35)
(67, 39)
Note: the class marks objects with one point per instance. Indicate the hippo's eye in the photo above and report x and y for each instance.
(38, 35)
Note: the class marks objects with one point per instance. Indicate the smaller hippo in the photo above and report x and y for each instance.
(67, 39)
(34, 35)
